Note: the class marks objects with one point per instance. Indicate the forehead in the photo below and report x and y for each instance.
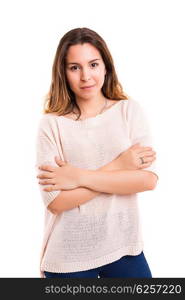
(82, 52)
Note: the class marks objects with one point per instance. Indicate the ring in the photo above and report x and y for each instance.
(142, 161)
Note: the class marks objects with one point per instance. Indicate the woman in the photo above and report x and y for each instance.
(94, 155)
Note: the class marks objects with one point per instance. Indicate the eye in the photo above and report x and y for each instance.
(74, 68)
(94, 64)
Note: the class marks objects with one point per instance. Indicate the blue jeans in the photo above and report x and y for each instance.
(126, 267)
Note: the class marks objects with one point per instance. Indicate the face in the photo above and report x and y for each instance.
(85, 70)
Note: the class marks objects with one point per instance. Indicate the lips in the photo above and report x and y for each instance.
(87, 87)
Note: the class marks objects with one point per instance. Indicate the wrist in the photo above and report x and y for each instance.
(85, 177)
(114, 165)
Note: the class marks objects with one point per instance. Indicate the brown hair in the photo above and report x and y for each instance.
(60, 99)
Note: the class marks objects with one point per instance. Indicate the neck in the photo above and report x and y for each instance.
(91, 106)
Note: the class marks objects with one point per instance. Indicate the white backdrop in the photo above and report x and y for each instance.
(146, 39)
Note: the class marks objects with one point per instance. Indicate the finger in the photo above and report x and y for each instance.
(59, 161)
(51, 188)
(145, 165)
(47, 181)
(147, 153)
(148, 160)
(46, 168)
(48, 189)
(141, 149)
(135, 145)
(45, 175)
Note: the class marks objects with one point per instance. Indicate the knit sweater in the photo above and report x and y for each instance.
(103, 229)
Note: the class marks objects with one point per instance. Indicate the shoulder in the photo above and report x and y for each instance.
(49, 117)
(132, 107)
(133, 112)
(112, 102)
(131, 103)
(47, 122)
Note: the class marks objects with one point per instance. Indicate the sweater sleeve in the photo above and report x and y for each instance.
(139, 129)
(46, 150)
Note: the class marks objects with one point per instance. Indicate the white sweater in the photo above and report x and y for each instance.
(107, 227)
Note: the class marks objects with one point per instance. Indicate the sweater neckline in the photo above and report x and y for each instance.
(95, 118)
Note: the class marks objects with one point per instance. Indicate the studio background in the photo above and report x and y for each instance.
(146, 40)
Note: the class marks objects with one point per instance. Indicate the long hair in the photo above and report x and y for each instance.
(60, 99)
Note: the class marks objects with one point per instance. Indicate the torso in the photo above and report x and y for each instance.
(84, 237)
(73, 116)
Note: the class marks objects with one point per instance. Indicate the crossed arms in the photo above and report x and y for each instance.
(108, 179)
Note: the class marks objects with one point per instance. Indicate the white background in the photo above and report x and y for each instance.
(146, 39)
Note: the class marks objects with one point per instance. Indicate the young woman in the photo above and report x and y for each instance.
(94, 154)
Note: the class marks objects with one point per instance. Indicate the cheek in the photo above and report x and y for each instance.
(72, 80)
(99, 76)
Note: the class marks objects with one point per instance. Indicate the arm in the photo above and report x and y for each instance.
(118, 181)
(67, 200)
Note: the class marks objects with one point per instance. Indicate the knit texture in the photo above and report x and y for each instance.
(107, 227)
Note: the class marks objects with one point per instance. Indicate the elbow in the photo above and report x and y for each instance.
(152, 180)
(53, 209)
(55, 206)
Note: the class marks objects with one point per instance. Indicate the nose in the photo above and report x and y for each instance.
(85, 75)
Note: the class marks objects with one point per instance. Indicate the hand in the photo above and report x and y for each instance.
(130, 159)
(65, 177)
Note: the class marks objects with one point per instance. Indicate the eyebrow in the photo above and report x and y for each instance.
(75, 63)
